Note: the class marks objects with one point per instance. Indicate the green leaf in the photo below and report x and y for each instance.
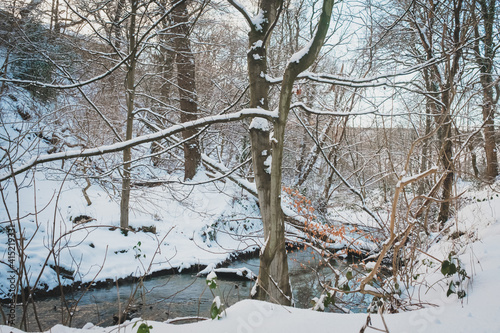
(348, 275)
(144, 328)
(448, 268)
(329, 300)
(212, 284)
(214, 311)
(450, 290)
(453, 269)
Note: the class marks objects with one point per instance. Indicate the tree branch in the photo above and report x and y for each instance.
(246, 113)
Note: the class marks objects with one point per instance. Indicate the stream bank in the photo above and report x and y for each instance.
(164, 297)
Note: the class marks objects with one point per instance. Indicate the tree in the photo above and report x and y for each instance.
(186, 81)
(440, 81)
(130, 85)
(484, 47)
(268, 141)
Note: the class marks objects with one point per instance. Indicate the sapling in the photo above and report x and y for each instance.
(217, 306)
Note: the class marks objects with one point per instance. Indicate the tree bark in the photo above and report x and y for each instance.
(484, 60)
(273, 281)
(444, 132)
(442, 86)
(130, 86)
(273, 261)
(186, 82)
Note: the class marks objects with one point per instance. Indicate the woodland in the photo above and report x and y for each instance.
(356, 130)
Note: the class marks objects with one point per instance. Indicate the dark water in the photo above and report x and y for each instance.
(181, 295)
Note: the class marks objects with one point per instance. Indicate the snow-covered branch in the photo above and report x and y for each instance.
(329, 113)
(357, 82)
(246, 113)
(239, 7)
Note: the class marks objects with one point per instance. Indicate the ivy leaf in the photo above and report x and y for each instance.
(144, 328)
(212, 284)
(450, 290)
(214, 311)
(448, 268)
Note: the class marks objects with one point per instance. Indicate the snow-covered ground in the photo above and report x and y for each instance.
(192, 225)
(474, 235)
(201, 228)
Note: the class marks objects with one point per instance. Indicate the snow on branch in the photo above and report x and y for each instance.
(330, 113)
(357, 82)
(239, 7)
(245, 113)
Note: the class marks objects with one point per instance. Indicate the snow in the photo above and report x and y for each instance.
(212, 272)
(300, 53)
(70, 154)
(182, 239)
(268, 163)
(370, 265)
(193, 231)
(208, 271)
(260, 124)
(217, 302)
(257, 44)
(478, 249)
(211, 276)
(258, 20)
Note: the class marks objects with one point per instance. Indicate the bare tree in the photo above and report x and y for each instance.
(485, 15)
(186, 81)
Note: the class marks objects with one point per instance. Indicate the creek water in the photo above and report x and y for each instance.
(182, 295)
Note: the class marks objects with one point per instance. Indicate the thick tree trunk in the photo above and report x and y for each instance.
(186, 82)
(273, 282)
(484, 59)
(489, 136)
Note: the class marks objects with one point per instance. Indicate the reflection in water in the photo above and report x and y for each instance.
(180, 295)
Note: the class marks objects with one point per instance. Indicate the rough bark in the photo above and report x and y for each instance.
(273, 281)
(484, 59)
(186, 82)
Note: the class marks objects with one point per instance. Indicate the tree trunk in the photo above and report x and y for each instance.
(446, 156)
(186, 82)
(484, 60)
(273, 282)
(115, 35)
(444, 133)
(130, 85)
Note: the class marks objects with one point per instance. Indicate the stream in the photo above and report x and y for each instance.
(183, 295)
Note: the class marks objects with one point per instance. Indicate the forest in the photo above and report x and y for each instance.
(337, 156)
